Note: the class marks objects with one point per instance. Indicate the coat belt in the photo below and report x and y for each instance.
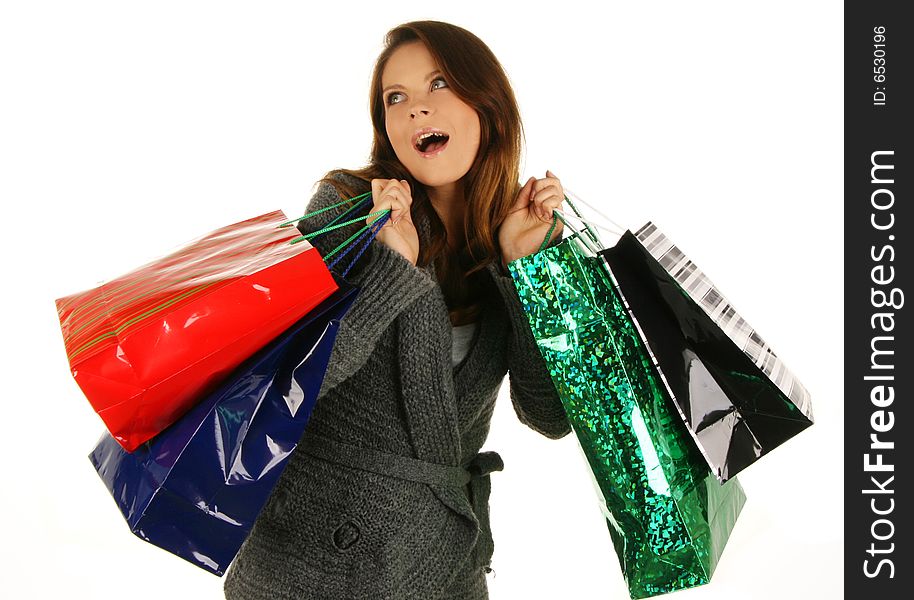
(474, 473)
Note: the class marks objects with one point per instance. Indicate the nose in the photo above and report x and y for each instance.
(419, 108)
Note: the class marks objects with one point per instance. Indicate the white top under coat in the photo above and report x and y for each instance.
(461, 336)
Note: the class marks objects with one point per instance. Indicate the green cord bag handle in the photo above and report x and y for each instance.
(375, 225)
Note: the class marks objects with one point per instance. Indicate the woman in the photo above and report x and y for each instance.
(387, 494)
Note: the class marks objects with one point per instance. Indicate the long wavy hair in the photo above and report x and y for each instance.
(474, 74)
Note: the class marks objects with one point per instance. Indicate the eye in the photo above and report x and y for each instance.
(391, 98)
(438, 80)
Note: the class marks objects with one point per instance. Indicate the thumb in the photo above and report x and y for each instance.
(523, 196)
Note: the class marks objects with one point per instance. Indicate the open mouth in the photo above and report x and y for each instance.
(431, 142)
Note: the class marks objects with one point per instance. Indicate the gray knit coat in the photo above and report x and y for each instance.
(386, 496)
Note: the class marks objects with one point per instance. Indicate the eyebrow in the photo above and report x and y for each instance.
(397, 85)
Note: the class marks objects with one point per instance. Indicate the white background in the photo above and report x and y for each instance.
(127, 128)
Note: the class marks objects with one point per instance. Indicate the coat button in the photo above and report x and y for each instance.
(346, 535)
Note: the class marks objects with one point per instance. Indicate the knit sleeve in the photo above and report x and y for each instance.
(532, 392)
(387, 282)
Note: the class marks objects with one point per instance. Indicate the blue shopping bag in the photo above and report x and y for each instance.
(197, 488)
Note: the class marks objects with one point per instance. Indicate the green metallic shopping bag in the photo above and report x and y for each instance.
(668, 516)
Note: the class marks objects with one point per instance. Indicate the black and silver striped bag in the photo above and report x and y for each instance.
(736, 397)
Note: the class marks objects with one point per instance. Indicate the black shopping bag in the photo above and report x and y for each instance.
(737, 398)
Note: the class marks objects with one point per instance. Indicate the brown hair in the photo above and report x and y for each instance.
(474, 74)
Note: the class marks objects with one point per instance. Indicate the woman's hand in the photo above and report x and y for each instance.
(524, 229)
(398, 233)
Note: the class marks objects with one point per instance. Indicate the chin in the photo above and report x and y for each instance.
(430, 176)
(436, 180)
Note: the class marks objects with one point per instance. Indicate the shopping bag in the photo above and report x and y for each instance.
(667, 515)
(197, 487)
(144, 346)
(737, 398)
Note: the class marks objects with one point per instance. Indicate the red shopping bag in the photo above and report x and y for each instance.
(144, 347)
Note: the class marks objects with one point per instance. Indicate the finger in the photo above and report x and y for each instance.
(392, 197)
(549, 179)
(544, 192)
(554, 179)
(385, 193)
(542, 184)
(376, 186)
(550, 193)
(408, 195)
(401, 200)
(542, 213)
(377, 190)
(557, 183)
(550, 205)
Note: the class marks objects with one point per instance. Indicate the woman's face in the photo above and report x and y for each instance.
(434, 133)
